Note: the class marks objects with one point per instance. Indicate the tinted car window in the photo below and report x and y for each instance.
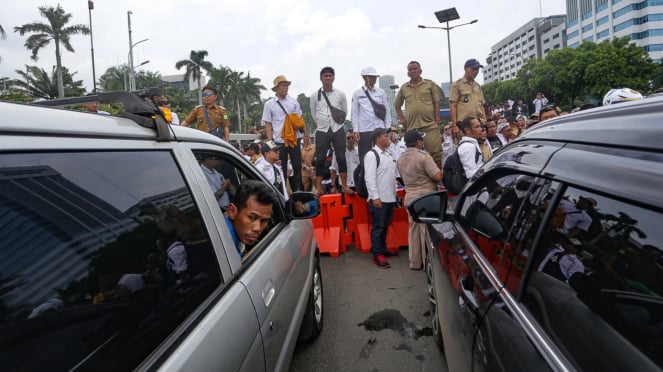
(599, 281)
(103, 255)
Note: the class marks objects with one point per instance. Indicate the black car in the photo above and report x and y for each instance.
(552, 258)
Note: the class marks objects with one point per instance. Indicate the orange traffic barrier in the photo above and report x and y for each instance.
(360, 222)
(397, 232)
(329, 226)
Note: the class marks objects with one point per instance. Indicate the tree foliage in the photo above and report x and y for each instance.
(571, 77)
(41, 84)
(195, 66)
(55, 30)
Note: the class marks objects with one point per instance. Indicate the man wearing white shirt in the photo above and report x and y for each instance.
(381, 187)
(219, 185)
(469, 151)
(268, 167)
(351, 158)
(364, 119)
(328, 131)
(539, 102)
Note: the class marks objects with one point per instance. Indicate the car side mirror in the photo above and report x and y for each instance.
(485, 222)
(303, 205)
(429, 208)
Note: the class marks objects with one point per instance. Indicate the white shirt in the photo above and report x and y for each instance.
(352, 159)
(215, 180)
(467, 150)
(448, 148)
(569, 264)
(574, 217)
(267, 170)
(177, 260)
(273, 113)
(538, 103)
(395, 151)
(174, 120)
(321, 113)
(363, 115)
(380, 180)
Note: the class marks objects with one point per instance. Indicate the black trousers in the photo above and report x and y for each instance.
(295, 154)
(322, 143)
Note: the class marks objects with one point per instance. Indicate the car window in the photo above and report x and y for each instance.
(219, 168)
(599, 272)
(103, 255)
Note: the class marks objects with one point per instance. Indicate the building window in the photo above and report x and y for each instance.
(654, 48)
(646, 34)
(603, 34)
(601, 21)
(590, 39)
(574, 45)
(573, 34)
(587, 28)
(555, 36)
(556, 46)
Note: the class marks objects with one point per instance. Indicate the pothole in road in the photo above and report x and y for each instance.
(394, 320)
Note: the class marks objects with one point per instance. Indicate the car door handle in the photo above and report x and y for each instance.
(268, 293)
(467, 299)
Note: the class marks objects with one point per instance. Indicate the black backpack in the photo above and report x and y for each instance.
(453, 173)
(360, 176)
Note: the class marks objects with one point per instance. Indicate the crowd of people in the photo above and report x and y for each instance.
(411, 155)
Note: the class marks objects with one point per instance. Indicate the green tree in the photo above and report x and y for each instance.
(148, 79)
(305, 104)
(40, 84)
(221, 78)
(114, 78)
(2, 36)
(194, 68)
(57, 31)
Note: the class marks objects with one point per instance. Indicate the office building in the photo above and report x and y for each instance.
(532, 40)
(599, 20)
(386, 82)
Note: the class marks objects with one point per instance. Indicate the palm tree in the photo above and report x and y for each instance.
(2, 36)
(40, 84)
(221, 79)
(56, 30)
(115, 78)
(148, 79)
(194, 66)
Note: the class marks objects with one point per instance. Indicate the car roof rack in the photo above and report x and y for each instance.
(139, 106)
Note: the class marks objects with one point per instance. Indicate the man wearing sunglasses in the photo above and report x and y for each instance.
(209, 117)
(465, 97)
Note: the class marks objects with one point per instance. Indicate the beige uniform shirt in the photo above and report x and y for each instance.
(419, 101)
(416, 168)
(469, 98)
(217, 115)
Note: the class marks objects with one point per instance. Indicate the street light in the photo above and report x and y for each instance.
(132, 72)
(90, 6)
(445, 16)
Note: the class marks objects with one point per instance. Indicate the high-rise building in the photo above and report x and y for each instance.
(534, 39)
(386, 82)
(599, 20)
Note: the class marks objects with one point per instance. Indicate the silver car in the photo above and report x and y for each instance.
(116, 255)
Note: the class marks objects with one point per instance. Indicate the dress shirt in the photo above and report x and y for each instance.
(467, 151)
(363, 115)
(321, 113)
(380, 180)
(274, 114)
(215, 180)
(267, 169)
(352, 159)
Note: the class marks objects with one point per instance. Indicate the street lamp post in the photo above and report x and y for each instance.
(90, 6)
(132, 72)
(445, 16)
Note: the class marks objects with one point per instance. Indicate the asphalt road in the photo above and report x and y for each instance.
(375, 319)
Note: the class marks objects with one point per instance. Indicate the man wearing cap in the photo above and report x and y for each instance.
(548, 112)
(267, 166)
(93, 107)
(420, 175)
(209, 117)
(539, 102)
(422, 106)
(504, 132)
(381, 188)
(274, 114)
(465, 96)
(328, 131)
(364, 117)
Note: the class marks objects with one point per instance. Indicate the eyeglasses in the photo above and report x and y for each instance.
(208, 94)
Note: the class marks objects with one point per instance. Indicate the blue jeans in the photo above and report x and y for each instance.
(381, 219)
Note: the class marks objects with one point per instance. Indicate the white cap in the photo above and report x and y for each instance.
(369, 71)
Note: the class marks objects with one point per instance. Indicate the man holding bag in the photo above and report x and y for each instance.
(283, 122)
(369, 111)
(328, 109)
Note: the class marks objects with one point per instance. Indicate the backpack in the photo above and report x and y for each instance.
(453, 173)
(360, 176)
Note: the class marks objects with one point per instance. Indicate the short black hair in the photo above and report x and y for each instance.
(415, 62)
(377, 132)
(263, 193)
(326, 70)
(209, 87)
(548, 107)
(466, 123)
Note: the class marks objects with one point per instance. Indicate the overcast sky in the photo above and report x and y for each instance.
(291, 37)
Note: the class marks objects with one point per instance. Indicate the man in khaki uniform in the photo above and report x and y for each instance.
(466, 98)
(422, 105)
(218, 116)
(420, 175)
